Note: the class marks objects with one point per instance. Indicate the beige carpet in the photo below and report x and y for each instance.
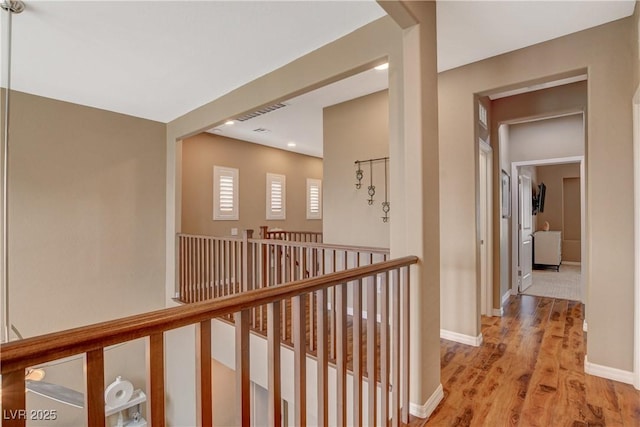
(564, 284)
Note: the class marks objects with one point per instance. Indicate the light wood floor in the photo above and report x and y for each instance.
(529, 372)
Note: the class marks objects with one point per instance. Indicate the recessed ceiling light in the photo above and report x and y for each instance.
(229, 122)
(216, 130)
(291, 144)
(382, 67)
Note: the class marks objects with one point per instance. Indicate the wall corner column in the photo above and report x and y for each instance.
(415, 225)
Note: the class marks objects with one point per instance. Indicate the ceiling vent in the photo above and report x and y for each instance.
(261, 112)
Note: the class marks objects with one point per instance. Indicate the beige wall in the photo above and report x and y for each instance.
(554, 212)
(547, 139)
(86, 215)
(86, 226)
(607, 53)
(348, 218)
(201, 152)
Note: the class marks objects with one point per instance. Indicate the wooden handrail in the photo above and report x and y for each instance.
(372, 249)
(287, 235)
(351, 248)
(44, 348)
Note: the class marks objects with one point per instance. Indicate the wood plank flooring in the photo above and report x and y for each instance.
(529, 372)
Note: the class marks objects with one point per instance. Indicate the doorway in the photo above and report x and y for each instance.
(565, 218)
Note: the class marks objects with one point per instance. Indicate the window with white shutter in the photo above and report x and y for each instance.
(276, 196)
(225, 194)
(314, 198)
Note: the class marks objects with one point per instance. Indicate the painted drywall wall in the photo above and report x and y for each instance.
(607, 52)
(201, 152)
(224, 394)
(86, 228)
(85, 216)
(547, 139)
(348, 218)
(538, 104)
(554, 209)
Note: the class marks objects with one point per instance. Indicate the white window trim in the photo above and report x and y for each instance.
(482, 115)
(219, 173)
(311, 182)
(272, 212)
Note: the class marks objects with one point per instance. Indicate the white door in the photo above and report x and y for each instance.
(484, 212)
(525, 246)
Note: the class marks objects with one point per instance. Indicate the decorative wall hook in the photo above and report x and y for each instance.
(385, 209)
(386, 206)
(371, 189)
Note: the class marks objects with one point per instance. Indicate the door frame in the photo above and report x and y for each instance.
(636, 170)
(487, 269)
(583, 214)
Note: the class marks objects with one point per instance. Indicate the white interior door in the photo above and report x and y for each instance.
(525, 244)
(484, 220)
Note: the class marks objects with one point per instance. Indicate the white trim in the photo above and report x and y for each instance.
(425, 410)
(230, 177)
(312, 184)
(276, 190)
(578, 263)
(498, 312)
(487, 269)
(608, 372)
(506, 297)
(585, 328)
(461, 338)
(636, 173)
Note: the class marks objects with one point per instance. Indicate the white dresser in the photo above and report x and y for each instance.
(547, 249)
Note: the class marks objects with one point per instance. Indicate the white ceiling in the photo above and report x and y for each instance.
(161, 59)
(300, 121)
(469, 31)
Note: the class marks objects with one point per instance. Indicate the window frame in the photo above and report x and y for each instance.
(313, 182)
(220, 172)
(271, 213)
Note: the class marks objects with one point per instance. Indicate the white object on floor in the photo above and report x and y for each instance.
(118, 393)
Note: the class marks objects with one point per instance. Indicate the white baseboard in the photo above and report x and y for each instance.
(425, 411)
(584, 325)
(499, 312)
(505, 297)
(571, 263)
(461, 338)
(608, 372)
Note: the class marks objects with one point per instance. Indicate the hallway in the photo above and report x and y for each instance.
(529, 372)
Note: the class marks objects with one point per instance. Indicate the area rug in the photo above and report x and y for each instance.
(563, 284)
